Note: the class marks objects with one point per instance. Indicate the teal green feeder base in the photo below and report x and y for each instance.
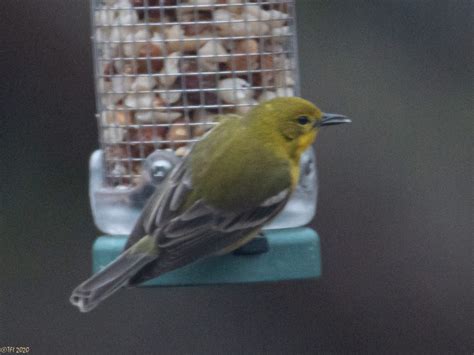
(294, 254)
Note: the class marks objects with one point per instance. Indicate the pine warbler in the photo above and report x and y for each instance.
(234, 180)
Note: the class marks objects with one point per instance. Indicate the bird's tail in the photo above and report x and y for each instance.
(106, 282)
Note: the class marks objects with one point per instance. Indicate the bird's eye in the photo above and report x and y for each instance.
(302, 120)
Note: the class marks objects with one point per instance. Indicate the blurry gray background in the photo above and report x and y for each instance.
(393, 214)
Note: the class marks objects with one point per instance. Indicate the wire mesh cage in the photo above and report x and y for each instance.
(166, 70)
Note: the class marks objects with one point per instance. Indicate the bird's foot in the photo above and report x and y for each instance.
(258, 245)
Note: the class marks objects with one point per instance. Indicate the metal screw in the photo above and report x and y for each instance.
(159, 170)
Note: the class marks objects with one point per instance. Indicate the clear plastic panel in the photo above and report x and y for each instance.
(116, 210)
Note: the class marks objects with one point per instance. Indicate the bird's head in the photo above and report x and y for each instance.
(296, 120)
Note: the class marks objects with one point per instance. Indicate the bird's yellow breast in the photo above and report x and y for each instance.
(303, 143)
(295, 174)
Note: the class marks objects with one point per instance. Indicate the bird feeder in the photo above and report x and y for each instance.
(165, 70)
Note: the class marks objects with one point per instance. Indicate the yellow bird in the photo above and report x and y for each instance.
(234, 180)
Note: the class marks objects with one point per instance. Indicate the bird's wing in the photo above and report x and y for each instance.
(200, 230)
(157, 210)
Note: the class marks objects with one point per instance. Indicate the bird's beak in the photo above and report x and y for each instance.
(330, 119)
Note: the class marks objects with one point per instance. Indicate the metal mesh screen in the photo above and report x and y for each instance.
(166, 69)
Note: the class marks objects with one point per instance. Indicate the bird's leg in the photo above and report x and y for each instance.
(257, 245)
